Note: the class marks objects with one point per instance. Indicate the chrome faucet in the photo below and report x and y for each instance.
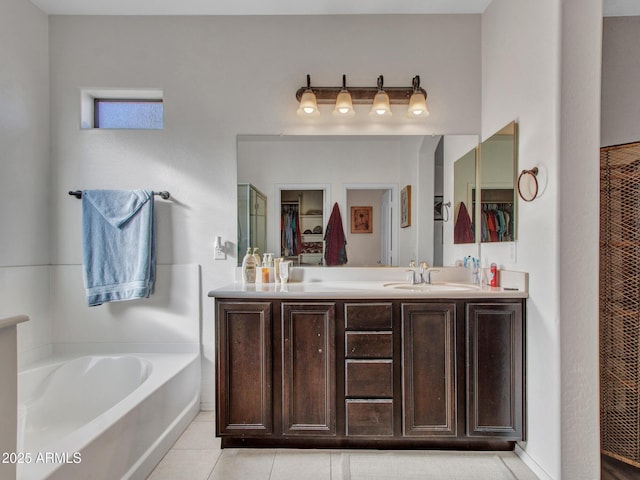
(413, 278)
(425, 274)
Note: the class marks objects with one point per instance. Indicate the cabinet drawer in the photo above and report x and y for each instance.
(368, 316)
(369, 417)
(368, 345)
(369, 378)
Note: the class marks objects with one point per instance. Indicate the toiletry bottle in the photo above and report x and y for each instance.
(493, 275)
(267, 268)
(276, 269)
(284, 271)
(249, 267)
(484, 273)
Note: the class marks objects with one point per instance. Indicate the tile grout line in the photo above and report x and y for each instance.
(215, 464)
(273, 462)
(346, 466)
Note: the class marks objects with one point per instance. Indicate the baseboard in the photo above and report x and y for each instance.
(531, 463)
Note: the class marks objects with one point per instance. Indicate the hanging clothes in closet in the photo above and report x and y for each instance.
(291, 237)
(497, 222)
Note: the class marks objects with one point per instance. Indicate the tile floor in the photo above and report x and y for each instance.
(197, 456)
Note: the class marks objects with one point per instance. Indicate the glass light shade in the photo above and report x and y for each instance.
(417, 106)
(344, 106)
(381, 106)
(308, 104)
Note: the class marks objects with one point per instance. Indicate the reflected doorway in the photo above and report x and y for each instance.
(302, 213)
(377, 247)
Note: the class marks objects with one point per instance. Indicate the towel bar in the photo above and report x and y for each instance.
(78, 194)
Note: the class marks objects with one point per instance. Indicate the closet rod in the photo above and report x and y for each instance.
(78, 194)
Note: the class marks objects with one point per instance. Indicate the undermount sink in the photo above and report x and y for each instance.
(433, 287)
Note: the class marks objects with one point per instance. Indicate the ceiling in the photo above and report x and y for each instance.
(285, 7)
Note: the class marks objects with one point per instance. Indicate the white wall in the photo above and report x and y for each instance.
(24, 189)
(26, 290)
(539, 61)
(167, 321)
(521, 59)
(422, 193)
(24, 169)
(620, 73)
(24, 134)
(224, 76)
(455, 146)
(579, 193)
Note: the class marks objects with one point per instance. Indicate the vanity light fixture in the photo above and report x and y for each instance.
(344, 104)
(418, 101)
(308, 102)
(379, 98)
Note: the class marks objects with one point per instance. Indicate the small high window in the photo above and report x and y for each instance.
(121, 109)
(127, 113)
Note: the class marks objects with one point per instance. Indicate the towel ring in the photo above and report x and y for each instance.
(528, 194)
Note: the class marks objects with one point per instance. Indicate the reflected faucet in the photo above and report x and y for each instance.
(413, 279)
(422, 275)
(425, 274)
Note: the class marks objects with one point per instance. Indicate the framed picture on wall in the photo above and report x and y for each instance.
(361, 219)
(405, 207)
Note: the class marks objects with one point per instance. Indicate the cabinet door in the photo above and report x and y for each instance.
(429, 369)
(308, 369)
(244, 368)
(495, 370)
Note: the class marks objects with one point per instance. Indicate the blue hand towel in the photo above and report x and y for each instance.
(118, 244)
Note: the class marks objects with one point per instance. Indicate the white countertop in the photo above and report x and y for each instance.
(362, 289)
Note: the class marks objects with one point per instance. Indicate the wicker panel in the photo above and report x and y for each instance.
(620, 302)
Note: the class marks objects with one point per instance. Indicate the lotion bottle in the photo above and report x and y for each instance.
(249, 267)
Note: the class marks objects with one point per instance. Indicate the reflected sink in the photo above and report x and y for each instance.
(435, 287)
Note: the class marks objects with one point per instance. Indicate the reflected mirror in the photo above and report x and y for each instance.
(352, 171)
(252, 219)
(464, 185)
(498, 161)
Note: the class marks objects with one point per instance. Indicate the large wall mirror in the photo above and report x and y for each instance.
(484, 190)
(464, 185)
(498, 164)
(306, 175)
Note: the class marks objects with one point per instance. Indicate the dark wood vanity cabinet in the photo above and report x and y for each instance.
(429, 369)
(369, 375)
(495, 370)
(308, 368)
(244, 368)
(382, 374)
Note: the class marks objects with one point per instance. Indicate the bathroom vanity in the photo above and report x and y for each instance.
(365, 364)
